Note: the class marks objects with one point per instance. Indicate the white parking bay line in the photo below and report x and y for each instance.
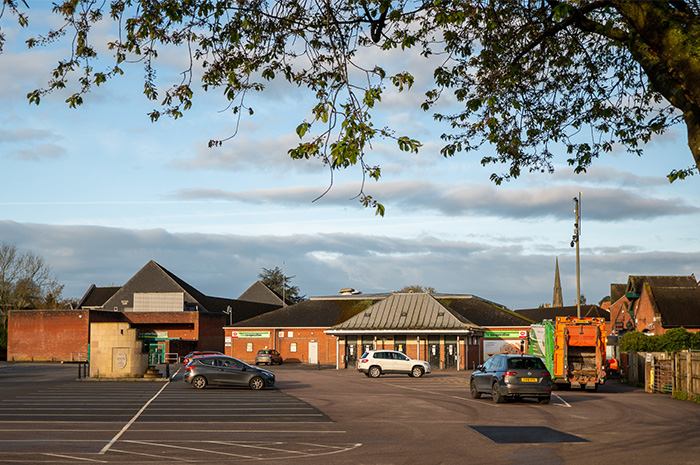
(126, 427)
(75, 458)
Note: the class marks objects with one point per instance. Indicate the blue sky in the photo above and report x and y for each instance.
(100, 190)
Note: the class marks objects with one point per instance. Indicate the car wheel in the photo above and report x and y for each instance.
(496, 394)
(475, 393)
(544, 400)
(367, 375)
(417, 372)
(257, 383)
(257, 363)
(200, 382)
(281, 362)
(374, 372)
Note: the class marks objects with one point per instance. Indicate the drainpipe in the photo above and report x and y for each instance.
(337, 352)
(459, 359)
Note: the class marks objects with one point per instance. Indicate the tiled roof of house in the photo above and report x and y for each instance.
(550, 313)
(677, 306)
(617, 291)
(636, 283)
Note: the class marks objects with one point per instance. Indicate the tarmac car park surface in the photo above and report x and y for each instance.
(327, 416)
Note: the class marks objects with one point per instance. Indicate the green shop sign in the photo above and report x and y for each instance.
(506, 334)
(250, 334)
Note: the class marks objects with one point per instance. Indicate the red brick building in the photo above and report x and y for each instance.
(170, 316)
(655, 304)
(449, 331)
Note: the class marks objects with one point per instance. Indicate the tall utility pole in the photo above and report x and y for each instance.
(577, 233)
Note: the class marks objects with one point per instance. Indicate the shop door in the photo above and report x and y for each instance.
(450, 352)
(313, 352)
(350, 351)
(434, 351)
(156, 353)
(367, 343)
(400, 343)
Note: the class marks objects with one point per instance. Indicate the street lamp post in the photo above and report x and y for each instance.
(575, 240)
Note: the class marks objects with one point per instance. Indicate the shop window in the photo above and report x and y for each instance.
(248, 346)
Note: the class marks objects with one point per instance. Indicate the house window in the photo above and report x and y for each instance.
(293, 347)
(248, 346)
(281, 333)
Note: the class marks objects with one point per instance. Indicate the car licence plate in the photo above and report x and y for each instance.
(529, 380)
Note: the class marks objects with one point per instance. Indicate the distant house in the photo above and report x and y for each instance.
(654, 304)
(449, 331)
(260, 293)
(550, 313)
(168, 314)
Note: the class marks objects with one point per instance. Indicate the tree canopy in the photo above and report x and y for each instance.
(417, 289)
(531, 78)
(26, 282)
(276, 280)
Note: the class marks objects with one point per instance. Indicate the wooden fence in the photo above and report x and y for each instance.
(662, 372)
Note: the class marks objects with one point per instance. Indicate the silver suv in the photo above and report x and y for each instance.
(375, 363)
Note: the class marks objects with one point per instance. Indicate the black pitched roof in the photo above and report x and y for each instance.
(95, 297)
(259, 292)
(154, 278)
(312, 313)
(677, 306)
(482, 312)
(550, 313)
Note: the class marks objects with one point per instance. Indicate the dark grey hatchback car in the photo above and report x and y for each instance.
(512, 376)
(226, 371)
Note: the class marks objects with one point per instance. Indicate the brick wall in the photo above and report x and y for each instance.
(47, 335)
(292, 343)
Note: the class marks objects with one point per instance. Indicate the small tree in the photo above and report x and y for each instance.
(279, 283)
(26, 281)
(417, 289)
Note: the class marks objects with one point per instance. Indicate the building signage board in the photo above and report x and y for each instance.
(152, 334)
(506, 334)
(250, 334)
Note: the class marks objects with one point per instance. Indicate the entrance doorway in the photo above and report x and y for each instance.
(400, 343)
(313, 352)
(350, 351)
(451, 352)
(434, 351)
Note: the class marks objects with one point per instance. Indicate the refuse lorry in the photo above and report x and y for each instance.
(573, 349)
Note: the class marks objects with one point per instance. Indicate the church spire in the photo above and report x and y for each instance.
(558, 300)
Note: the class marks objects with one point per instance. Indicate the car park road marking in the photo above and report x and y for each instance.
(565, 403)
(161, 457)
(126, 427)
(75, 458)
(195, 449)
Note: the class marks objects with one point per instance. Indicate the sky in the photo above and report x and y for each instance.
(100, 190)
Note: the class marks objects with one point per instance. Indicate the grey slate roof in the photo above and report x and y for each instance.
(405, 312)
(538, 315)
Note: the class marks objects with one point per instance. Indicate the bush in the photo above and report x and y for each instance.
(672, 340)
(3, 338)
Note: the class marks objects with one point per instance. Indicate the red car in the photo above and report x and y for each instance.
(199, 353)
